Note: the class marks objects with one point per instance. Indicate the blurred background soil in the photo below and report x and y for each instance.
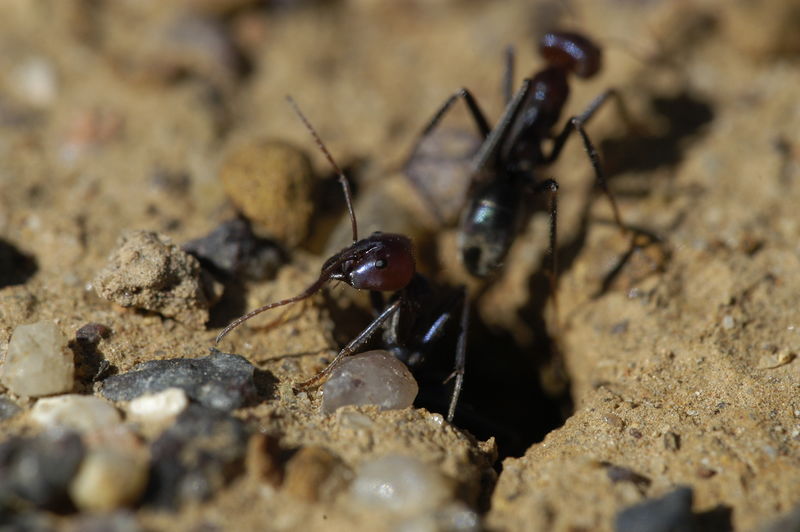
(675, 359)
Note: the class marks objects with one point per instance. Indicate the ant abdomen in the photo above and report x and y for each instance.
(572, 52)
(488, 226)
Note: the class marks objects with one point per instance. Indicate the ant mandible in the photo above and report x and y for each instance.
(384, 262)
(504, 167)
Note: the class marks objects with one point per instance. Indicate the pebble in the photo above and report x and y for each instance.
(149, 272)
(81, 413)
(371, 378)
(8, 408)
(220, 380)
(35, 81)
(90, 334)
(232, 250)
(670, 513)
(195, 457)
(38, 362)
(108, 479)
(400, 484)
(39, 469)
(271, 184)
(159, 407)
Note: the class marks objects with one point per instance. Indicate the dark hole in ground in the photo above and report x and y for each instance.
(16, 267)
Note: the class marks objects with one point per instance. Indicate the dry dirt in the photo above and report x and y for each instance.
(676, 359)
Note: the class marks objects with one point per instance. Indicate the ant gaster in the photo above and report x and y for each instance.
(383, 262)
(504, 167)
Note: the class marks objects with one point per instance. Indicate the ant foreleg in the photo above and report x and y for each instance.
(353, 346)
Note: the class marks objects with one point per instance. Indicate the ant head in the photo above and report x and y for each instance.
(572, 52)
(382, 262)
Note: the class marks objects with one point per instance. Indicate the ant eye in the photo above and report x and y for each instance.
(380, 264)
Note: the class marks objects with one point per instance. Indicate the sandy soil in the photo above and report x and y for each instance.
(675, 359)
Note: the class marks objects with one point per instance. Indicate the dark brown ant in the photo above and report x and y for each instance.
(383, 262)
(504, 167)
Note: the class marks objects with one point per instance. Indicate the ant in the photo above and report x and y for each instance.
(503, 169)
(416, 314)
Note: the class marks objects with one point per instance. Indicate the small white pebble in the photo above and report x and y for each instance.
(78, 412)
(727, 322)
(158, 407)
(371, 378)
(38, 362)
(400, 484)
(35, 81)
(436, 419)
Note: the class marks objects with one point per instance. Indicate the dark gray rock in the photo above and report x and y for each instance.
(198, 455)
(8, 408)
(670, 513)
(232, 249)
(219, 380)
(35, 472)
(26, 522)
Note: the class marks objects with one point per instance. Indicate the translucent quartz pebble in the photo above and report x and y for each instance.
(371, 378)
(38, 361)
(401, 484)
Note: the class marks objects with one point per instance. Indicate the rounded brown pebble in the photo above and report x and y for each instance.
(270, 183)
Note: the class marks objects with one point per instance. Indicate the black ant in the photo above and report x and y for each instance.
(504, 167)
(417, 316)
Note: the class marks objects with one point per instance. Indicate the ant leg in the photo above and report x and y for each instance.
(508, 75)
(598, 172)
(461, 357)
(351, 347)
(550, 186)
(474, 110)
(576, 124)
(585, 116)
(480, 121)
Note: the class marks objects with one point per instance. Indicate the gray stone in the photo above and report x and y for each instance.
(8, 408)
(670, 513)
(219, 380)
(38, 470)
(198, 455)
(38, 361)
(371, 378)
(232, 250)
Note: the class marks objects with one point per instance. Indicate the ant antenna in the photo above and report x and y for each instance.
(342, 178)
(308, 292)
